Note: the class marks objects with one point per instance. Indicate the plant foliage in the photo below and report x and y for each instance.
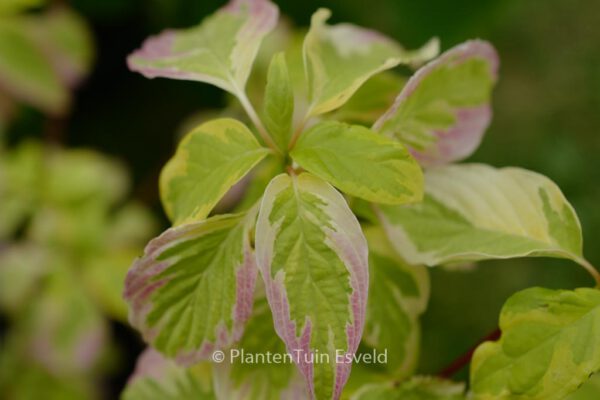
(346, 193)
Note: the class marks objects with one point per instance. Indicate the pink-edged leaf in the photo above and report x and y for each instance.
(219, 51)
(444, 109)
(156, 377)
(313, 258)
(191, 292)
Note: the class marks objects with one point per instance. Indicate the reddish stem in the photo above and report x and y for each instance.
(462, 361)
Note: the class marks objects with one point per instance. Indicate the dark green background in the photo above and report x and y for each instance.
(546, 105)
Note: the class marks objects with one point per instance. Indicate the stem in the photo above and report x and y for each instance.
(465, 358)
(297, 133)
(591, 269)
(256, 120)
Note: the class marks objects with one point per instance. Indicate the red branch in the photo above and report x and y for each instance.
(464, 359)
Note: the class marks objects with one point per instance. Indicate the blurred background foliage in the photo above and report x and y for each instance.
(546, 118)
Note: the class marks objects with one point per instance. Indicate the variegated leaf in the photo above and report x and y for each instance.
(398, 296)
(340, 58)
(191, 292)
(361, 163)
(444, 109)
(219, 51)
(474, 212)
(208, 162)
(157, 378)
(238, 379)
(313, 259)
(549, 346)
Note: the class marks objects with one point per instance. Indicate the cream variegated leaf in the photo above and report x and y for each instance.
(192, 291)
(548, 348)
(313, 258)
(474, 212)
(340, 58)
(208, 162)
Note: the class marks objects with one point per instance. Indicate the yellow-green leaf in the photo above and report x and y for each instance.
(475, 212)
(360, 162)
(279, 102)
(208, 162)
(549, 346)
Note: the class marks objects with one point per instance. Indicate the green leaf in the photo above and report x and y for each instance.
(208, 162)
(418, 388)
(219, 51)
(192, 290)
(371, 100)
(340, 58)
(361, 163)
(398, 296)
(157, 378)
(475, 212)
(279, 102)
(313, 259)
(444, 109)
(549, 346)
(25, 72)
(237, 378)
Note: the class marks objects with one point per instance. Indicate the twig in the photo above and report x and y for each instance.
(465, 358)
